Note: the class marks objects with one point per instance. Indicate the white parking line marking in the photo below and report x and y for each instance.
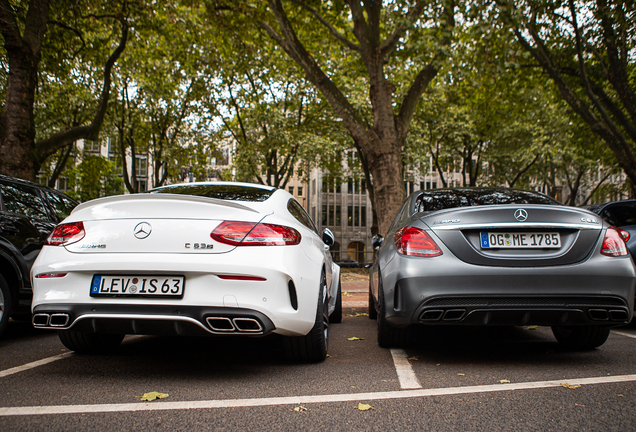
(294, 400)
(405, 373)
(629, 335)
(34, 364)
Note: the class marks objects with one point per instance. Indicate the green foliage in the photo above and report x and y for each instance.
(94, 177)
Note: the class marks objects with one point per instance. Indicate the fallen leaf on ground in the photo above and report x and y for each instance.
(620, 395)
(461, 374)
(361, 314)
(504, 381)
(566, 385)
(152, 396)
(355, 338)
(531, 327)
(300, 409)
(364, 407)
(346, 294)
(413, 358)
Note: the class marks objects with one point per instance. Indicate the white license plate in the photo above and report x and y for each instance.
(137, 286)
(520, 240)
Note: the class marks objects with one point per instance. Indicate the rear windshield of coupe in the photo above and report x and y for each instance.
(440, 199)
(224, 192)
(620, 214)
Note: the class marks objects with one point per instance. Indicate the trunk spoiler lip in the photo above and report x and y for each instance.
(162, 197)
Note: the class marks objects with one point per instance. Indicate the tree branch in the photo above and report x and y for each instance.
(51, 144)
(339, 36)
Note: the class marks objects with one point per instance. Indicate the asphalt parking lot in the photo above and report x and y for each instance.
(469, 379)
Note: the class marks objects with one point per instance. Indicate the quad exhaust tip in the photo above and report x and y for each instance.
(51, 320)
(234, 325)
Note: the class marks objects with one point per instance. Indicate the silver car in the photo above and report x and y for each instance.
(498, 256)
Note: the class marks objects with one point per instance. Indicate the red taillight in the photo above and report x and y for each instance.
(66, 234)
(255, 234)
(623, 233)
(413, 241)
(613, 243)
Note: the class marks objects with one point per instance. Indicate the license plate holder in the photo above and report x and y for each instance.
(520, 240)
(155, 286)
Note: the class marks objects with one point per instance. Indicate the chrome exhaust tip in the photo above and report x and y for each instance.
(247, 325)
(40, 320)
(220, 324)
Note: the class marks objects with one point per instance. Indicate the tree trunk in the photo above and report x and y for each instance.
(20, 155)
(383, 140)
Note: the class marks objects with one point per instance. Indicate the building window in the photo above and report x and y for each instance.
(92, 146)
(313, 188)
(141, 167)
(291, 190)
(300, 191)
(324, 215)
(350, 215)
(363, 216)
(338, 220)
(62, 184)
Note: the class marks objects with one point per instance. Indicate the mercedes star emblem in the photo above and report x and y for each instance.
(142, 230)
(521, 215)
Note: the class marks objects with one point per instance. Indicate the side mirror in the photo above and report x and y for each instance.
(327, 237)
(377, 241)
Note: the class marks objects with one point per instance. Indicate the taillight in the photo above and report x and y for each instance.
(613, 243)
(255, 234)
(66, 234)
(413, 241)
(623, 234)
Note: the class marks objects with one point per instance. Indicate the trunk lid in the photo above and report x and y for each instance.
(517, 236)
(156, 224)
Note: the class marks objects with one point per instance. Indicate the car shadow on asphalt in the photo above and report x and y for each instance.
(518, 345)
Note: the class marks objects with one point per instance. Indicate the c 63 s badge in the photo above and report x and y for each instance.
(199, 246)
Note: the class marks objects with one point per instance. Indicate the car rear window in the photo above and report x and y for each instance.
(620, 214)
(224, 192)
(23, 199)
(440, 199)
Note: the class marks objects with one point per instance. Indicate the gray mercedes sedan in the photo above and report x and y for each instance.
(498, 256)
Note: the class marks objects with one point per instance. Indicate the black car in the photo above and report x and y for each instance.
(28, 214)
(621, 214)
(500, 257)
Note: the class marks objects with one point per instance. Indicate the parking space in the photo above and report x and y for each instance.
(470, 372)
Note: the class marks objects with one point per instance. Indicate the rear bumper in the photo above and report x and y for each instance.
(152, 320)
(456, 293)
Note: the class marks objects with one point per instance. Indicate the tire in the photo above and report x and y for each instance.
(373, 314)
(581, 338)
(389, 336)
(336, 315)
(312, 347)
(90, 343)
(5, 305)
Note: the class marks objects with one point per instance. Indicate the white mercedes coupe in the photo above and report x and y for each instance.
(214, 258)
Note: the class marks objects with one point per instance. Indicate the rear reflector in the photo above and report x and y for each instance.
(237, 233)
(413, 241)
(66, 234)
(50, 275)
(242, 278)
(613, 243)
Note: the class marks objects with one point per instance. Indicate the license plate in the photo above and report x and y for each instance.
(517, 240)
(137, 286)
